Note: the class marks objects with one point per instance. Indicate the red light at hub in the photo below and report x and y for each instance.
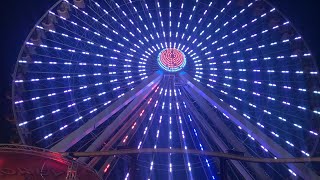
(171, 59)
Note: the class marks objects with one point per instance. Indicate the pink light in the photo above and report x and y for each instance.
(171, 59)
(106, 169)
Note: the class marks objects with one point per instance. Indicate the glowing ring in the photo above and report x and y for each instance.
(171, 59)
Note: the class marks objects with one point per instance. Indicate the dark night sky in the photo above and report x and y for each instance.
(19, 16)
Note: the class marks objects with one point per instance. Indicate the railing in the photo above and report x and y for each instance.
(56, 156)
(60, 156)
(195, 152)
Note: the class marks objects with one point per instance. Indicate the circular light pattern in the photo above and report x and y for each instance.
(83, 55)
(171, 60)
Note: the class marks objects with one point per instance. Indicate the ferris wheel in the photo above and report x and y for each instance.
(98, 75)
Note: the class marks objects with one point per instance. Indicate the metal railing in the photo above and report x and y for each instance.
(40, 152)
(194, 152)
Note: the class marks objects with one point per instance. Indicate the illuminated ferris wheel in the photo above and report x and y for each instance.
(99, 75)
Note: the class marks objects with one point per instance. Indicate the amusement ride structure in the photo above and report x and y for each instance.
(170, 76)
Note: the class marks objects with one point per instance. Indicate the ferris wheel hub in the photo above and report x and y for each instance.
(171, 59)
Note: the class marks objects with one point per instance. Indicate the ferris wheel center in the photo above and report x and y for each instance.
(171, 59)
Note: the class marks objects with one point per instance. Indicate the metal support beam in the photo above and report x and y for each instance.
(110, 130)
(114, 126)
(223, 128)
(100, 118)
(247, 126)
(120, 134)
(194, 152)
(215, 138)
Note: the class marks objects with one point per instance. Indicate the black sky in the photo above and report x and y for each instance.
(17, 17)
